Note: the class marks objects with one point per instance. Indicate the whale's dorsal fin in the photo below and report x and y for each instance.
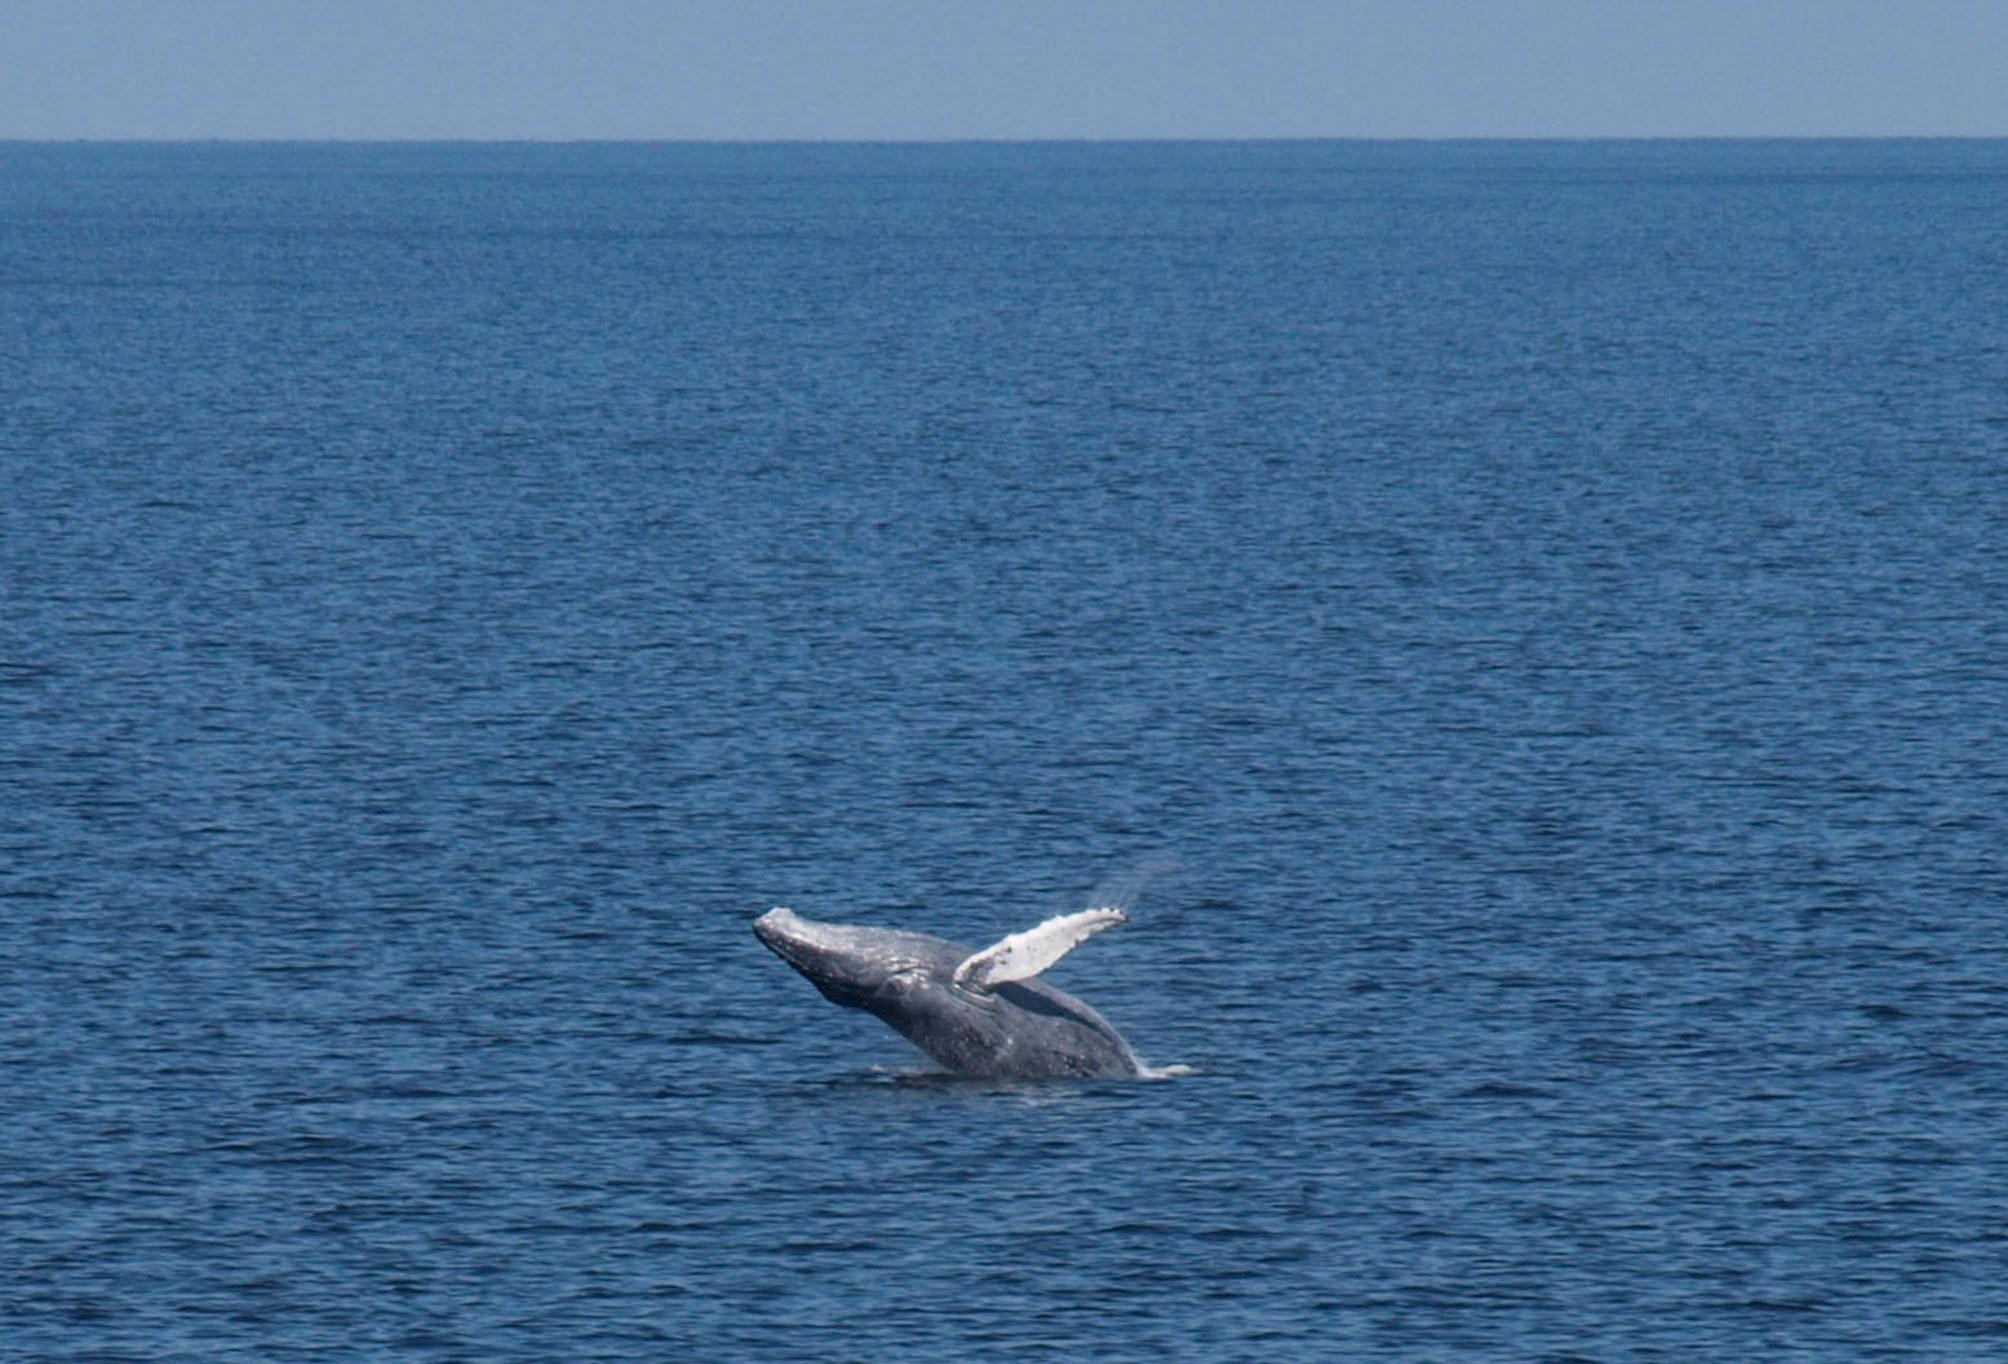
(1024, 955)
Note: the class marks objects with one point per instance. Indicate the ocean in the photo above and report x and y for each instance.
(1523, 625)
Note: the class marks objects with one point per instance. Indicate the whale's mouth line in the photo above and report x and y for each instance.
(823, 964)
(786, 948)
(799, 950)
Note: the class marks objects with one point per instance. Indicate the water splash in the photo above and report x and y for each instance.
(1125, 888)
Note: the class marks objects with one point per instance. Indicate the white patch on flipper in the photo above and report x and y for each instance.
(1024, 955)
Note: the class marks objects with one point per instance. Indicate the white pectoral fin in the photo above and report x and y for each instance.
(1024, 955)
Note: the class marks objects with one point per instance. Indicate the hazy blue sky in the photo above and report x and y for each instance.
(994, 68)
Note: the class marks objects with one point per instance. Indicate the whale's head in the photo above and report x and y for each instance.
(856, 966)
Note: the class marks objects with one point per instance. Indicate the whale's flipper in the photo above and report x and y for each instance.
(1024, 955)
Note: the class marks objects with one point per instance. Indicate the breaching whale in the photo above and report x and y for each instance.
(977, 1013)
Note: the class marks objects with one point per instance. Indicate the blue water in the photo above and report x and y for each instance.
(1536, 617)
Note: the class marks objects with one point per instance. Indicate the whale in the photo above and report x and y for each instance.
(976, 1013)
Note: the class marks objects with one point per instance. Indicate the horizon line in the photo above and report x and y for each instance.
(1082, 140)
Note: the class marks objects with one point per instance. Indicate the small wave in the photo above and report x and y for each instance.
(702, 1038)
(1499, 1089)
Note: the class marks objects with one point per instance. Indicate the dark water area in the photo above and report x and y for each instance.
(1535, 614)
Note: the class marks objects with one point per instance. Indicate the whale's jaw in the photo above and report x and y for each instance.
(825, 964)
(849, 963)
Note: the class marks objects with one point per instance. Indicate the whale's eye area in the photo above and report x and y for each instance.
(903, 976)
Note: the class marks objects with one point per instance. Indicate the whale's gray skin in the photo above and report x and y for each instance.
(1020, 1030)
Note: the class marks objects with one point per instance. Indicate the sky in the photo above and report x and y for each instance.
(564, 70)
